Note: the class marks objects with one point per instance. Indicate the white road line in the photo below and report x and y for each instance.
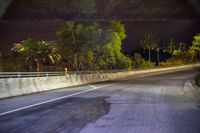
(92, 86)
(53, 100)
(74, 94)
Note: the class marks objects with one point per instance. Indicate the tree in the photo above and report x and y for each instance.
(95, 45)
(113, 34)
(196, 44)
(149, 42)
(184, 52)
(77, 42)
(157, 48)
(37, 51)
(192, 53)
(178, 50)
(172, 47)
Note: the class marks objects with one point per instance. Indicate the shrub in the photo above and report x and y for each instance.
(172, 62)
(123, 63)
(166, 64)
(150, 64)
(138, 61)
(13, 64)
(197, 79)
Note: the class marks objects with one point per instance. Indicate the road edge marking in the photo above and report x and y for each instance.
(81, 92)
(53, 100)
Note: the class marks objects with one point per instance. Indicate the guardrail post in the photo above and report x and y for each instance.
(19, 75)
(47, 75)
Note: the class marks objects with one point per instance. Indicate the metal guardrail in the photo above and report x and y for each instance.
(48, 74)
(29, 74)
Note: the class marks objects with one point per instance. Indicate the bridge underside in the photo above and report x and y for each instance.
(102, 9)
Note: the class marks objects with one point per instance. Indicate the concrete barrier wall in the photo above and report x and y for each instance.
(22, 86)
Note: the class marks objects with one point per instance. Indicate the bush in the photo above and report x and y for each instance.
(166, 64)
(171, 62)
(138, 61)
(197, 79)
(13, 64)
(150, 64)
(123, 63)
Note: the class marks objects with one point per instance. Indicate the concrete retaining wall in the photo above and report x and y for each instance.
(21, 86)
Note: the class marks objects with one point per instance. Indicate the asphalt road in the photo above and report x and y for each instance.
(164, 103)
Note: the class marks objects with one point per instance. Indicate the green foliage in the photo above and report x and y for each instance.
(149, 40)
(192, 53)
(36, 51)
(171, 47)
(123, 62)
(166, 64)
(197, 79)
(149, 64)
(179, 51)
(195, 48)
(196, 42)
(176, 48)
(91, 45)
(78, 42)
(14, 63)
(138, 61)
(172, 62)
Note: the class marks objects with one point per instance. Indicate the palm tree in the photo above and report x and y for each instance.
(37, 51)
(149, 42)
(157, 47)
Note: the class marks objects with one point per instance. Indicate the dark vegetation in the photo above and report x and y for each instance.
(197, 79)
(86, 46)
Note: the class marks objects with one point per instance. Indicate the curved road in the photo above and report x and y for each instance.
(162, 103)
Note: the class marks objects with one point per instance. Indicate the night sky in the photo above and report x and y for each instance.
(12, 32)
(181, 31)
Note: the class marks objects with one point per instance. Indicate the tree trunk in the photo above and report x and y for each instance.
(74, 39)
(192, 58)
(75, 62)
(158, 57)
(37, 65)
(149, 55)
(31, 66)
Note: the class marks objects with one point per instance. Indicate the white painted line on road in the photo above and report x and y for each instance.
(55, 99)
(92, 86)
(74, 94)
